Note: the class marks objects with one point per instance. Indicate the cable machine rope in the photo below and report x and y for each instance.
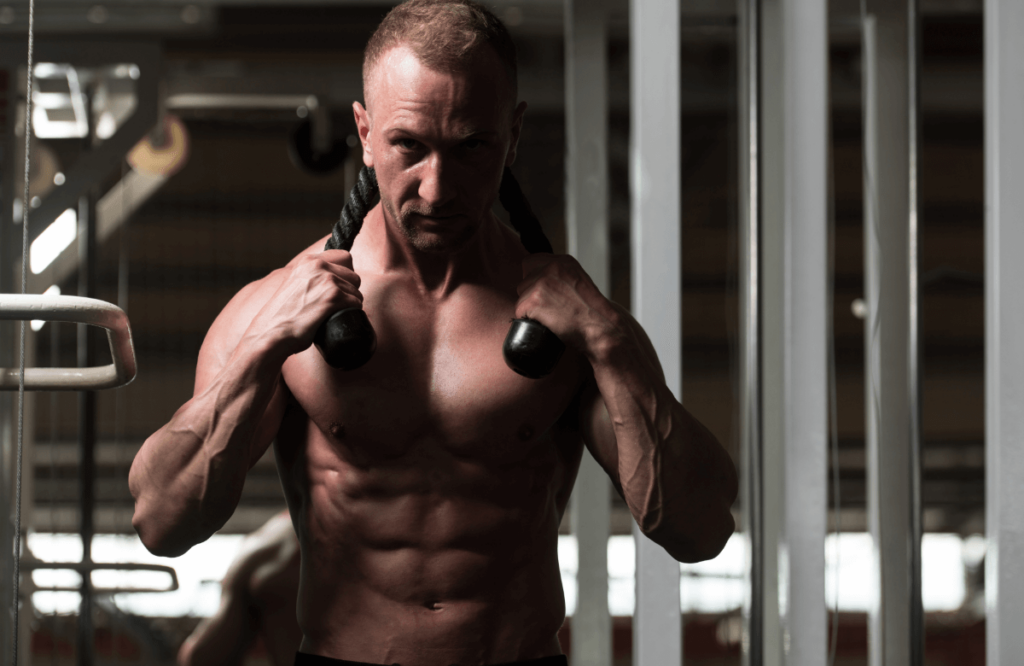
(25, 207)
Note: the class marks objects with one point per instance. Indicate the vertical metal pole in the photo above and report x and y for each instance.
(586, 126)
(657, 280)
(86, 423)
(772, 219)
(10, 244)
(586, 123)
(1004, 321)
(914, 338)
(86, 407)
(750, 320)
(804, 332)
(888, 343)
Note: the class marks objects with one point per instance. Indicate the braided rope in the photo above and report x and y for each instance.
(361, 200)
(366, 193)
(521, 214)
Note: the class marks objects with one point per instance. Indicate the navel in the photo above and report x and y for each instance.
(525, 432)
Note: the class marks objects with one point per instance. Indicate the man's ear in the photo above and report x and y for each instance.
(517, 128)
(363, 127)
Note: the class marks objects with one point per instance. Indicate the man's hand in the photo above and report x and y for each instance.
(188, 477)
(558, 293)
(675, 477)
(312, 287)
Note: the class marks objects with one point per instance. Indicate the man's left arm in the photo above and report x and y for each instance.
(677, 480)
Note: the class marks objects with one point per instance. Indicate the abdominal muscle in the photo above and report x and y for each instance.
(429, 558)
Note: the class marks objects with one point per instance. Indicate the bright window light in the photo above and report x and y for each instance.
(718, 585)
(943, 586)
(54, 239)
(37, 324)
(943, 580)
(714, 586)
(199, 573)
(848, 563)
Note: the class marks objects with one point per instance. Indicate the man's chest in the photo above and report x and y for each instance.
(438, 380)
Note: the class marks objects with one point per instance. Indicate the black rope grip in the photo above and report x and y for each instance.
(530, 348)
(347, 340)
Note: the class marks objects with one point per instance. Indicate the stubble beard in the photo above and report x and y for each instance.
(428, 243)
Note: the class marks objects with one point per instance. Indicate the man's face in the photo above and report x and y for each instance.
(438, 142)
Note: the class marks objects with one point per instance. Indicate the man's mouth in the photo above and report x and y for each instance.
(438, 217)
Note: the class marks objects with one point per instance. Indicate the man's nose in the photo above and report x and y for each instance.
(436, 185)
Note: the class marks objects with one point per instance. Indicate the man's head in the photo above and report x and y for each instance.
(440, 122)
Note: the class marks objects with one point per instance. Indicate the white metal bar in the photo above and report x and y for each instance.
(804, 326)
(772, 201)
(655, 173)
(586, 125)
(914, 333)
(888, 383)
(80, 310)
(240, 101)
(751, 469)
(1004, 322)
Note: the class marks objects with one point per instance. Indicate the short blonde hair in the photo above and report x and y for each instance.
(444, 35)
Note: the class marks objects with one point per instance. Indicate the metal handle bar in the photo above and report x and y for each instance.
(75, 309)
(87, 567)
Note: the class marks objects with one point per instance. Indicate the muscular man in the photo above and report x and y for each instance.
(257, 600)
(427, 486)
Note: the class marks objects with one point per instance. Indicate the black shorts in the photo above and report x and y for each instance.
(302, 659)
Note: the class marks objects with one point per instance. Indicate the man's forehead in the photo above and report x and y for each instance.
(401, 77)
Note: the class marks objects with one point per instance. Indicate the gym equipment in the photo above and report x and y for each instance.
(78, 310)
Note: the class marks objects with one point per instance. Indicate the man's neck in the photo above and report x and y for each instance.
(435, 273)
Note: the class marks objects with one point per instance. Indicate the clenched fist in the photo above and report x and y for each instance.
(310, 288)
(558, 293)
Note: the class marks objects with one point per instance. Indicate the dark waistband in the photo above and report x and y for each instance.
(303, 659)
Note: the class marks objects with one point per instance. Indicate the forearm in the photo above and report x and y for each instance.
(188, 476)
(677, 480)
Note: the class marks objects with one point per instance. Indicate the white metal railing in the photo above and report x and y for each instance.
(75, 309)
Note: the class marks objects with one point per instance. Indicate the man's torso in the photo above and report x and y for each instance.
(427, 487)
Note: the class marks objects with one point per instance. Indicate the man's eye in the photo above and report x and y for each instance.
(472, 144)
(408, 144)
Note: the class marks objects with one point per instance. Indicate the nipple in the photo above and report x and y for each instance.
(337, 431)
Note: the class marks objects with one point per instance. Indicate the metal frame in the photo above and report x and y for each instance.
(1004, 321)
(795, 250)
(94, 165)
(89, 567)
(891, 381)
(751, 469)
(656, 219)
(772, 291)
(586, 116)
(121, 371)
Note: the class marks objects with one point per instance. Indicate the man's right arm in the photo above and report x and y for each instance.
(187, 478)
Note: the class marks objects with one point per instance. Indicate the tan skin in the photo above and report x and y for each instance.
(427, 486)
(258, 596)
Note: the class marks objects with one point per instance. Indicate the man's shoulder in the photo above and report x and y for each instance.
(243, 307)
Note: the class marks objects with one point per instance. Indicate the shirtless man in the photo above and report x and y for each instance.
(427, 486)
(257, 600)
